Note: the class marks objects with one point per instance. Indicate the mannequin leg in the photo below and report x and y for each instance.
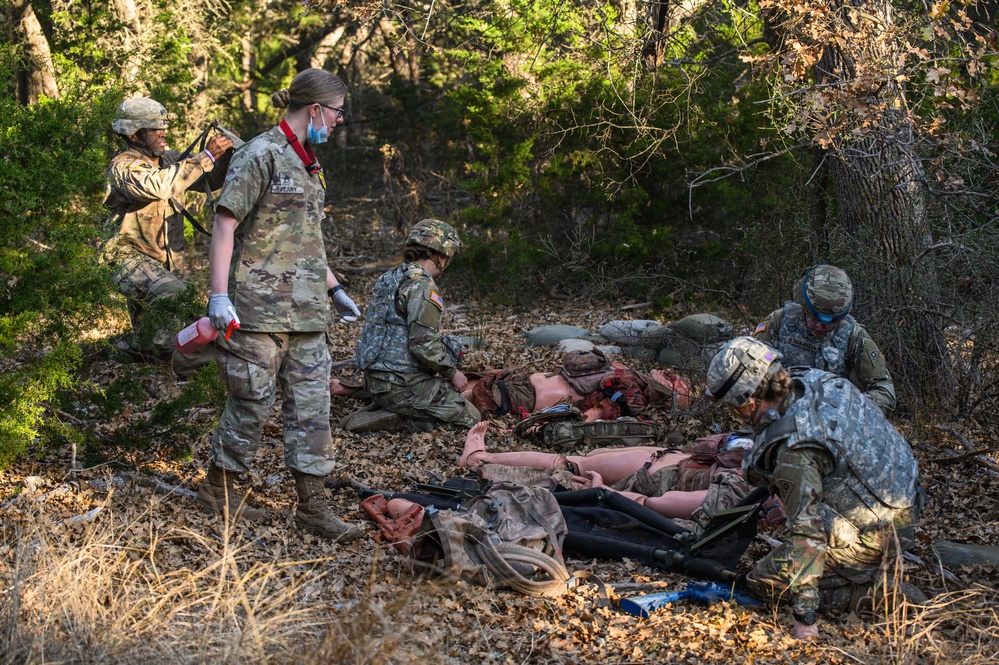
(475, 454)
(680, 505)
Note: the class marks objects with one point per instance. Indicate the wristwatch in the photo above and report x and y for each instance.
(806, 618)
(333, 289)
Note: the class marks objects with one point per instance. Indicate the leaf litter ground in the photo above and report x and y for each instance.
(293, 596)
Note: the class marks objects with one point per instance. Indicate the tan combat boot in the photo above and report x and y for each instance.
(314, 514)
(217, 493)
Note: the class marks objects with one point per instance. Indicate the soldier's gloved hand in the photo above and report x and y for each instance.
(773, 512)
(344, 306)
(221, 311)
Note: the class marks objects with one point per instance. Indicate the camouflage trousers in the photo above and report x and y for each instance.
(726, 488)
(252, 366)
(422, 397)
(849, 574)
(143, 280)
(725, 491)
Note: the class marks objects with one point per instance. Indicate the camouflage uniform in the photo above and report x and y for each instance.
(847, 350)
(720, 474)
(848, 482)
(405, 361)
(277, 282)
(148, 245)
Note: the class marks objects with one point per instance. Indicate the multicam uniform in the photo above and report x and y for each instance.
(848, 482)
(149, 241)
(277, 282)
(715, 465)
(846, 351)
(405, 361)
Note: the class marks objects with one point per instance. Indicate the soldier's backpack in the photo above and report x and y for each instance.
(561, 428)
(508, 536)
(584, 370)
(708, 455)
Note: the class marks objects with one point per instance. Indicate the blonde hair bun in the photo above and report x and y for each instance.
(281, 98)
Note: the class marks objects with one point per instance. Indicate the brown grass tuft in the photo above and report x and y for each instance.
(106, 594)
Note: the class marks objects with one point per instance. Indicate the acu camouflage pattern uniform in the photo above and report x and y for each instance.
(277, 283)
(848, 482)
(404, 357)
(148, 245)
(847, 350)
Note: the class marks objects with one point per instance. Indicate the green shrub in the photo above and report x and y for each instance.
(52, 157)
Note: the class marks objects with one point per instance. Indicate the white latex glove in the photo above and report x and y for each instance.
(343, 305)
(221, 312)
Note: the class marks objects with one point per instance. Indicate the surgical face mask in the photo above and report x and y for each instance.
(317, 136)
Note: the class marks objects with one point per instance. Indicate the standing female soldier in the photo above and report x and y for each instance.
(267, 254)
(409, 368)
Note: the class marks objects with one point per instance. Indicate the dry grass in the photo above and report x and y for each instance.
(108, 594)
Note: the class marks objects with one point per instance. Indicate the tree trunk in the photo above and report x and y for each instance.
(882, 209)
(818, 205)
(878, 228)
(39, 78)
(249, 64)
(325, 48)
(655, 38)
(129, 17)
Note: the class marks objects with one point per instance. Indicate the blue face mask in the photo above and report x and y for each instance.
(317, 136)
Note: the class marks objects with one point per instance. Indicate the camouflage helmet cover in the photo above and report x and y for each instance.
(140, 113)
(737, 370)
(826, 292)
(436, 235)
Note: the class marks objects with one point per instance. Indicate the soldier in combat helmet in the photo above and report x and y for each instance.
(847, 479)
(409, 367)
(815, 329)
(145, 187)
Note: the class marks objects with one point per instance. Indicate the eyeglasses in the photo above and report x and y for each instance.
(339, 111)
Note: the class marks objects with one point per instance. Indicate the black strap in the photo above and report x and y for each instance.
(504, 397)
(727, 386)
(181, 209)
(780, 429)
(202, 138)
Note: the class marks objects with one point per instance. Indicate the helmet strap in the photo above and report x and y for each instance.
(140, 147)
(439, 260)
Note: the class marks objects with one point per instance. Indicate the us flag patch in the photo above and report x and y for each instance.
(760, 328)
(436, 299)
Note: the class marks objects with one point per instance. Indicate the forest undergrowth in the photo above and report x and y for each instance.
(105, 558)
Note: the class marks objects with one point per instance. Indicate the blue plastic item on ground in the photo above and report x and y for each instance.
(707, 592)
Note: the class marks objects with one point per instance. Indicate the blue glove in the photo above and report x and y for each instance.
(344, 306)
(221, 312)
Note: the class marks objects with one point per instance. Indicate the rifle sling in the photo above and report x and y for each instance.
(181, 209)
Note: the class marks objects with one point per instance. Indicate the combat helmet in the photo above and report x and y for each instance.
(740, 366)
(436, 235)
(140, 113)
(826, 292)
